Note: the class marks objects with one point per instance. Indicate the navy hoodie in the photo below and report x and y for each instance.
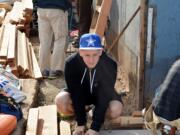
(54, 4)
(100, 91)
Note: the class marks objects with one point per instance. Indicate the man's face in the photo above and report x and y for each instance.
(90, 57)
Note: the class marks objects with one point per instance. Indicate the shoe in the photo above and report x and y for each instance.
(45, 73)
(55, 74)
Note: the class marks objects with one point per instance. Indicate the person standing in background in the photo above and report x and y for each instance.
(53, 31)
(84, 10)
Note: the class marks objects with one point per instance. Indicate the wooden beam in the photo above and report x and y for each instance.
(47, 124)
(143, 15)
(65, 128)
(103, 16)
(22, 61)
(5, 42)
(36, 69)
(32, 123)
(12, 44)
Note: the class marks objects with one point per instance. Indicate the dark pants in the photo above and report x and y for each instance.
(84, 8)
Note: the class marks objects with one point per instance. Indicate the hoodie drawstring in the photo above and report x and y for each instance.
(91, 78)
(85, 70)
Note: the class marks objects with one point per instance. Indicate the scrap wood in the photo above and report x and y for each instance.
(5, 42)
(127, 122)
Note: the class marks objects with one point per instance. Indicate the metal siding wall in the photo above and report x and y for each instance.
(167, 43)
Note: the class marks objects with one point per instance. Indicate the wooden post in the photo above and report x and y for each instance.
(142, 53)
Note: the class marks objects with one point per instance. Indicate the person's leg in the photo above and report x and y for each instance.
(84, 8)
(59, 23)
(85, 15)
(114, 110)
(64, 103)
(45, 37)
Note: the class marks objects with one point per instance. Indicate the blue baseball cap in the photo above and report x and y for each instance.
(90, 42)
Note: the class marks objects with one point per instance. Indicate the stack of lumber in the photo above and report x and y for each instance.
(44, 121)
(17, 52)
(21, 15)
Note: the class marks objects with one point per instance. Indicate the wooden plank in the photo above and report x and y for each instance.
(36, 69)
(2, 14)
(32, 123)
(29, 53)
(22, 63)
(47, 123)
(103, 16)
(12, 44)
(5, 42)
(1, 34)
(65, 128)
(143, 32)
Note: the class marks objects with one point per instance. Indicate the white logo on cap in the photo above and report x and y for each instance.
(91, 42)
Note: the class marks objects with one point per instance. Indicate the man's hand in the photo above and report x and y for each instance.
(91, 132)
(79, 130)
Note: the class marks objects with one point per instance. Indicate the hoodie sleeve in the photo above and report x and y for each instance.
(75, 90)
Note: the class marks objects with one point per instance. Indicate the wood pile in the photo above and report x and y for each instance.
(17, 52)
(44, 121)
(15, 48)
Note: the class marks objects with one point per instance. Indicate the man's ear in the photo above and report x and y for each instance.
(100, 52)
(80, 53)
